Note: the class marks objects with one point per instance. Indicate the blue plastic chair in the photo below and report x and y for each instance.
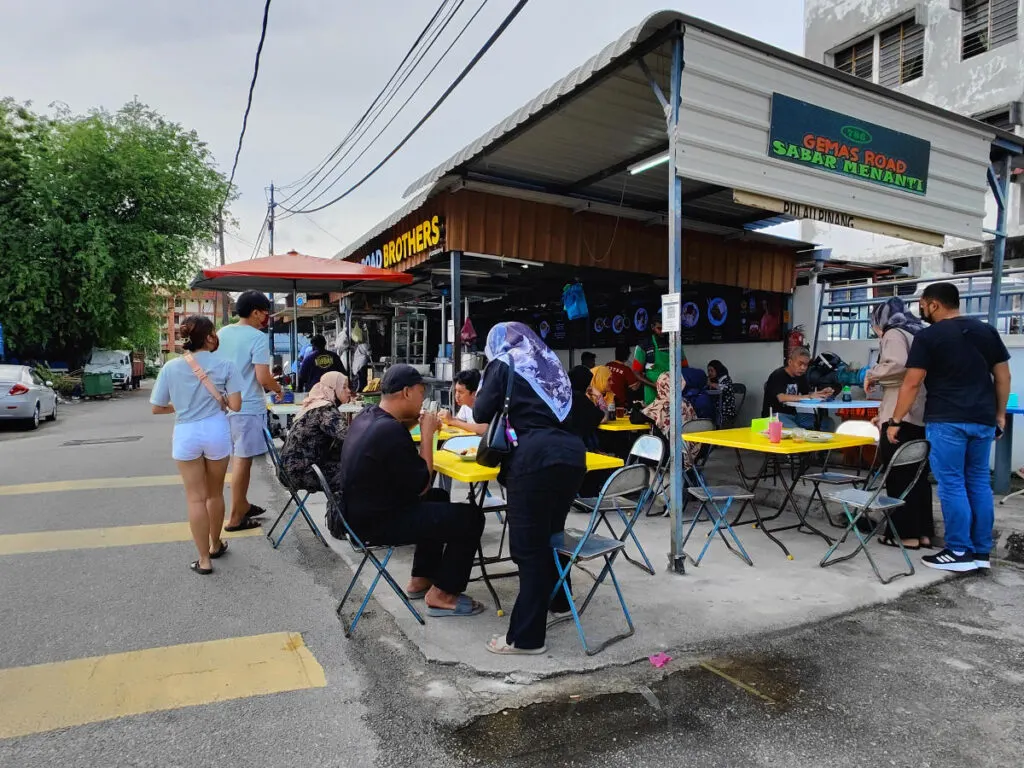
(571, 548)
(368, 552)
(295, 498)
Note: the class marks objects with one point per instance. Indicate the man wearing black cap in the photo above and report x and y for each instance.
(383, 487)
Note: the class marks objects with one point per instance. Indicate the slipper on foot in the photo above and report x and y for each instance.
(246, 525)
(220, 552)
(255, 511)
(499, 645)
(888, 541)
(464, 606)
(194, 565)
(418, 595)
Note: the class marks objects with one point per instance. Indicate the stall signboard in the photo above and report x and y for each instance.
(419, 239)
(812, 136)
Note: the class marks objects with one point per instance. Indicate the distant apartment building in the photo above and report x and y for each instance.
(176, 306)
(962, 55)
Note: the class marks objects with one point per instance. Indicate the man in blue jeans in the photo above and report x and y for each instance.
(966, 364)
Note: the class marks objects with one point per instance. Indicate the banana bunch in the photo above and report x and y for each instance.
(373, 385)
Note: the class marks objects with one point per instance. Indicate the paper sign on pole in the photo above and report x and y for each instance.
(670, 313)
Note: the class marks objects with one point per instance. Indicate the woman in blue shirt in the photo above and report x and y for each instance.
(199, 389)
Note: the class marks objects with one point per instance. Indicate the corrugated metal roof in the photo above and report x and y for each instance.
(385, 225)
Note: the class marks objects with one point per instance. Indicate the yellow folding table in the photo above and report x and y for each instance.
(744, 439)
(623, 425)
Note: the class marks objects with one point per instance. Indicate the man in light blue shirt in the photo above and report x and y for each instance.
(245, 344)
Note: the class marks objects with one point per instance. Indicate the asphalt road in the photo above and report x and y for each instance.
(934, 679)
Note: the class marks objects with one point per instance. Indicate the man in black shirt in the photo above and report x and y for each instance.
(383, 488)
(968, 372)
(318, 362)
(789, 385)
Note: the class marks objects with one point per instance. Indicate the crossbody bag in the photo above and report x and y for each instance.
(205, 379)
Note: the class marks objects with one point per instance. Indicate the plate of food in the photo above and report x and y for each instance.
(464, 454)
(818, 437)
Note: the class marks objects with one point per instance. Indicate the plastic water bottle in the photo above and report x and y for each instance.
(847, 396)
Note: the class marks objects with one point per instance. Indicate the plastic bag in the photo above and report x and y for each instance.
(574, 302)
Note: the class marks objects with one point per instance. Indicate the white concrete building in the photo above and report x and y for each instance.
(966, 56)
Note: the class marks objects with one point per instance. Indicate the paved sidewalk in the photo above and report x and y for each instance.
(721, 600)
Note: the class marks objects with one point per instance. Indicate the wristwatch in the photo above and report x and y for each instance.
(895, 422)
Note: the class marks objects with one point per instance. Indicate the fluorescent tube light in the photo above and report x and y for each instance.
(646, 165)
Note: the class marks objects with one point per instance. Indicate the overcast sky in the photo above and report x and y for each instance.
(322, 65)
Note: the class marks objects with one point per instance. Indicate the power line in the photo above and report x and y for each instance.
(248, 104)
(259, 238)
(448, 91)
(312, 221)
(398, 112)
(308, 177)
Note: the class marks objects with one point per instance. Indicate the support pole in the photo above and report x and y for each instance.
(270, 251)
(456, 269)
(223, 297)
(999, 181)
(295, 328)
(677, 485)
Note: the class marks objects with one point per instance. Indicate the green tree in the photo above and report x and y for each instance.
(95, 212)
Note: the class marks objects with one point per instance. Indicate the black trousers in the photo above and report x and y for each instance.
(914, 519)
(538, 504)
(446, 536)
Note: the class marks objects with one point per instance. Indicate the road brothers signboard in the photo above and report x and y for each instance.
(808, 135)
(419, 239)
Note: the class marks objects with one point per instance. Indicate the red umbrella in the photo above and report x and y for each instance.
(297, 272)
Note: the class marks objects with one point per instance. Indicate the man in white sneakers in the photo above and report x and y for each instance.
(968, 372)
(246, 345)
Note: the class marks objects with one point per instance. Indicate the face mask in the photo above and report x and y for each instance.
(266, 320)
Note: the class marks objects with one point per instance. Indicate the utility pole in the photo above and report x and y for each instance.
(270, 231)
(225, 318)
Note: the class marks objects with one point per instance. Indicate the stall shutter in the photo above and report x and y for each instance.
(858, 59)
(901, 54)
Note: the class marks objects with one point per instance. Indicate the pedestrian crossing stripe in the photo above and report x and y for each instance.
(45, 697)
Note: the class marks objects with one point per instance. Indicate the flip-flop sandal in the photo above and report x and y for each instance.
(246, 525)
(419, 595)
(499, 645)
(194, 565)
(464, 606)
(887, 541)
(255, 511)
(220, 552)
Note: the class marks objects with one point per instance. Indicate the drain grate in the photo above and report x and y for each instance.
(104, 440)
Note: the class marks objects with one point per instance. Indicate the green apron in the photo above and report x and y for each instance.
(662, 361)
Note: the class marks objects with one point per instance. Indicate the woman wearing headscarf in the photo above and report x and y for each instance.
(318, 433)
(896, 327)
(542, 473)
(719, 379)
(660, 414)
(602, 384)
(695, 390)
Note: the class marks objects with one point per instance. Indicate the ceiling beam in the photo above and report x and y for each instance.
(614, 170)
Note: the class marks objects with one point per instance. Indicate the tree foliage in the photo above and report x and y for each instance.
(95, 212)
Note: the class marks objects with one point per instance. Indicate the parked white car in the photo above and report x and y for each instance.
(25, 396)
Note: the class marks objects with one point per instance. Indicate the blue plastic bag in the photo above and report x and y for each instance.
(574, 302)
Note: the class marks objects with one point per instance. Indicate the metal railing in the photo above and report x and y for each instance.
(845, 310)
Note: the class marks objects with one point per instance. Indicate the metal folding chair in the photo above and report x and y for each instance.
(709, 496)
(295, 498)
(832, 478)
(868, 502)
(571, 548)
(697, 466)
(368, 551)
(651, 452)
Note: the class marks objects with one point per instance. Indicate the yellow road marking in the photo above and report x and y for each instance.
(45, 697)
(738, 683)
(96, 538)
(94, 484)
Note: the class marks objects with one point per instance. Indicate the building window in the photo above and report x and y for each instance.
(900, 54)
(858, 59)
(987, 25)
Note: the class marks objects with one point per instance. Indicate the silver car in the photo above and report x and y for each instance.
(25, 396)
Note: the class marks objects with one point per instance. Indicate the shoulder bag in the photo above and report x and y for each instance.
(495, 444)
(203, 377)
